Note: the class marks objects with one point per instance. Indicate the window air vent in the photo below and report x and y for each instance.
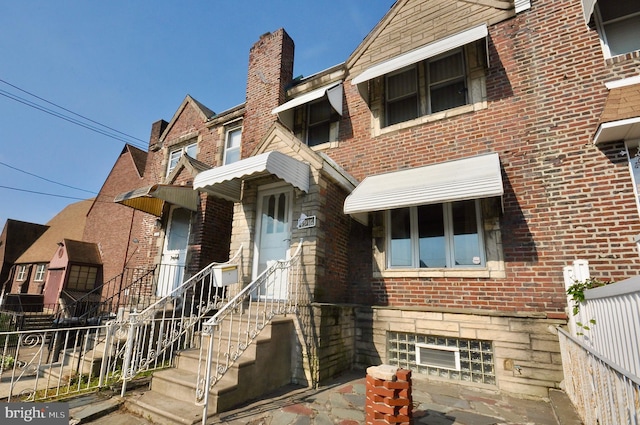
(438, 356)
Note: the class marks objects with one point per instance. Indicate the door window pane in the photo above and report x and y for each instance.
(179, 229)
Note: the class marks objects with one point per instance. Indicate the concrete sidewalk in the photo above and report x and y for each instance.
(342, 402)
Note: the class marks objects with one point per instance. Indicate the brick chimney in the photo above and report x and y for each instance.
(270, 71)
(157, 128)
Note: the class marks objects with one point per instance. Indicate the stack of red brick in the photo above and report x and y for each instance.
(388, 396)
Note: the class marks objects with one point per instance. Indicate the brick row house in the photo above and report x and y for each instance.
(460, 157)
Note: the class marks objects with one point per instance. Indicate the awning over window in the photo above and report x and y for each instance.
(226, 182)
(333, 92)
(620, 119)
(151, 199)
(587, 9)
(430, 50)
(469, 178)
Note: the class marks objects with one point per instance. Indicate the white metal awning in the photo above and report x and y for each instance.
(618, 130)
(587, 9)
(469, 178)
(151, 199)
(425, 52)
(226, 181)
(333, 92)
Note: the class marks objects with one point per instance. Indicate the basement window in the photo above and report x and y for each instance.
(455, 359)
(438, 356)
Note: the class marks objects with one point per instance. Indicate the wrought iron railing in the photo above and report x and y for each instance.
(231, 330)
(171, 323)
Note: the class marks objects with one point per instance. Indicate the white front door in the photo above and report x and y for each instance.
(274, 238)
(174, 254)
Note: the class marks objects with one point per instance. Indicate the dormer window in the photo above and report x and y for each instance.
(416, 86)
(176, 154)
(232, 145)
(314, 116)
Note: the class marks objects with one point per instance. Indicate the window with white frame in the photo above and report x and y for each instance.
(232, 143)
(618, 23)
(40, 270)
(427, 87)
(22, 273)
(436, 236)
(317, 122)
(175, 155)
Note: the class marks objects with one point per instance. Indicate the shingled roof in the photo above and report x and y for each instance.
(67, 224)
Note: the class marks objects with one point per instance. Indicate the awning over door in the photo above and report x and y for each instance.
(333, 92)
(620, 119)
(469, 178)
(425, 52)
(151, 199)
(226, 182)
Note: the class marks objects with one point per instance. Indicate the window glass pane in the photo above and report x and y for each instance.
(40, 269)
(623, 36)
(402, 96)
(431, 236)
(232, 146)
(318, 134)
(447, 97)
(401, 237)
(634, 166)
(446, 68)
(192, 150)
(319, 111)
(465, 234)
(179, 229)
(174, 157)
(447, 83)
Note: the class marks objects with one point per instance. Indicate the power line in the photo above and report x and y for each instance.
(65, 118)
(70, 111)
(42, 193)
(46, 179)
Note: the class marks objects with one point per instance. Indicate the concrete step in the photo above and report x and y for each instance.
(162, 409)
(266, 358)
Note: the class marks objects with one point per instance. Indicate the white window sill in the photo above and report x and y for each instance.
(433, 117)
(457, 273)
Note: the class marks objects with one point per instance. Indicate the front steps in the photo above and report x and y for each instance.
(263, 367)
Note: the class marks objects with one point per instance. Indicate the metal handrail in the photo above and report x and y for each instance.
(171, 318)
(246, 314)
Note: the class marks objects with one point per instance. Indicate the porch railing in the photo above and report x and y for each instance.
(612, 313)
(231, 330)
(170, 324)
(601, 392)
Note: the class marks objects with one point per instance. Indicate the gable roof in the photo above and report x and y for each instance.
(189, 164)
(620, 119)
(139, 158)
(420, 22)
(68, 223)
(204, 113)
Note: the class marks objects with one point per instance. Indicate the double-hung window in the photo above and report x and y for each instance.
(22, 273)
(175, 155)
(40, 270)
(444, 235)
(427, 87)
(618, 23)
(319, 122)
(232, 145)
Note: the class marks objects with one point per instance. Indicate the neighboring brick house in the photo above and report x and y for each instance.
(16, 237)
(31, 267)
(460, 157)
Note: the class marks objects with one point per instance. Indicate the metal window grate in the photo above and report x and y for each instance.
(475, 356)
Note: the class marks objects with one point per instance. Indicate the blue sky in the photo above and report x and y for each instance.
(126, 64)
